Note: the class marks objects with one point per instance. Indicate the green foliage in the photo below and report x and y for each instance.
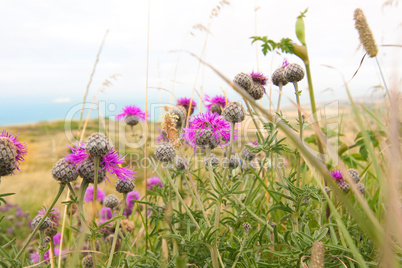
(268, 45)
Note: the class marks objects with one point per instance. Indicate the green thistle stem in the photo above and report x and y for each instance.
(232, 127)
(61, 188)
(83, 188)
(297, 93)
(41, 251)
(52, 259)
(116, 232)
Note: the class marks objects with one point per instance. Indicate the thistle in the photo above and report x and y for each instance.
(180, 115)
(243, 80)
(186, 103)
(132, 115)
(109, 163)
(111, 201)
(234, 112)
(12, 153)
(97, 145)
(365, 35)
(124, 187)
(165, 152)
(64, 172)
(215, 104)
(45, 224)
(180, 163)
(154, 182)
(279, 79)
(207, 129)
(89, 193)
(257, 89)
(214, 160)
(354, 174)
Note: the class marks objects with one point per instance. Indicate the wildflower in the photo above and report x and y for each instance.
(337, 176)
(278, 77)
(153, 182)
(181, 115)
(124, 187)
(259, 78)
(106, 214)
(216, 104)
(247, 154)
(207, 129)
(54, 214)
(12, 153)
(185, 102)
(56, 239)
(108, 163)
(45, 224)
(89, 194)
(131, 115)
(162, 138)
(130, 201)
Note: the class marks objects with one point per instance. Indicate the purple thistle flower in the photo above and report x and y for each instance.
(131, 198)
(34, 256)
(219, 127)
(111, 162)
(106, 213)
(54, 214)
(220, 100)
(10, 230)
(21, 147)
(185, 102)
(154, 181)
(255, 143)
(56, 239)
(259, 78)
(131, 110)
(89, 194)
(285, 63)
(337, 176)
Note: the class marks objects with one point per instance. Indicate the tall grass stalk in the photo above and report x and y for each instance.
(61, 188)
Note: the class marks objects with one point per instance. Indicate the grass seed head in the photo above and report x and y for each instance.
(365, 35)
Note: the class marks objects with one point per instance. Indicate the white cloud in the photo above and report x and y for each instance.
(62, 100)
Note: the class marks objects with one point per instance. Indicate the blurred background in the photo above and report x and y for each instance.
(48, 50)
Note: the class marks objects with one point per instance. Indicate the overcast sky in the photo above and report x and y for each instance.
(48, 48)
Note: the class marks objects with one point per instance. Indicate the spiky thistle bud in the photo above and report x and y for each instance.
(97, 145)
(87, 171)
(232, 163)
(111, 201)
(205, 139)
(278, 77)
(87, 261)
(127, 225)
(246, 227)
(64, 172)
(45, 224)
(180, 163)
(244, 80)
(361, 188)
(234, 112)
(317, 255)
(246, 165)
(354, 174)
(165, 152)
(124, 187)
(294, 72)
(52, 229)
(214, 160)
(365, 35)
(247, 154)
